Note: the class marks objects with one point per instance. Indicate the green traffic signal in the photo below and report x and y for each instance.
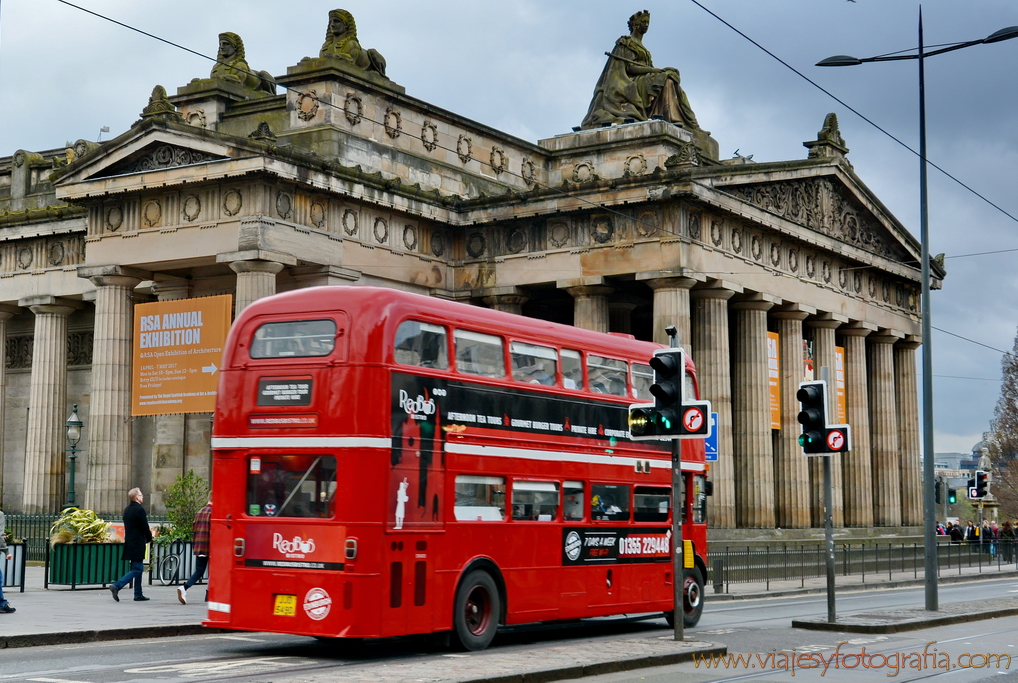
(952, 496)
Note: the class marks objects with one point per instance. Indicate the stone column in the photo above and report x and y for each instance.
(47, 403)
(907, 403)
(255, 279)
(823, 326)
(671, 307)
(709, 314)
(6, 313)
(505, 299)
(110, 463)
(620, 316)
(885, 456)
(751, 414)
(168, 444)
(856, 466)
(590, 305)
(791, 467)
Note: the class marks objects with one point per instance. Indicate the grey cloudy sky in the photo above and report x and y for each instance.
(528, 67)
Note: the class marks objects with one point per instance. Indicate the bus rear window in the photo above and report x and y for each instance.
(421, 344)
(291, 486)
(294, 339)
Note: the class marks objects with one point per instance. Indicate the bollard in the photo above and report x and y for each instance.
(719, 575)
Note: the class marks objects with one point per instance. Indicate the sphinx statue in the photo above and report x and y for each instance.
(341, 43)
(231, 66)
(631, 87)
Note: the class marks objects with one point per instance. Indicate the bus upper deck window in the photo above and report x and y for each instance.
(643, 377)
(572, 369)
(606, 375)
(479, 354)
(422, 344)
(534, 364)
(291, 486)
(294, 339)
(480, 499)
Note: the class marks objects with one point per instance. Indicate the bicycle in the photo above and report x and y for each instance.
(166, 570)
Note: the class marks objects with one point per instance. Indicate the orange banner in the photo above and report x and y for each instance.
(774, 375)
(839, 385)
(178, 347)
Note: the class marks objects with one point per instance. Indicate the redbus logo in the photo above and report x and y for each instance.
(416, 406)
(295, 548)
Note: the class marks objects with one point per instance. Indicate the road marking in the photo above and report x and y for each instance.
(207, 669)
(53, 680)
(250, 640)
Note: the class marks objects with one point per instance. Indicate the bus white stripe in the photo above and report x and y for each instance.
(299, 442)
(464, 449)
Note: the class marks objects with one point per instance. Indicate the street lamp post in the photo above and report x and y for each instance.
(74, 425)
(929, 506)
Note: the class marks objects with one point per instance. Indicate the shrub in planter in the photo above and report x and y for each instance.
(76, 525)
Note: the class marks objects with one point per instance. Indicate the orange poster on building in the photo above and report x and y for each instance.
(178, 348)
(839, 385)
(774, 377)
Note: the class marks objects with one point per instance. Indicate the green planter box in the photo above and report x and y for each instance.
(85, 564)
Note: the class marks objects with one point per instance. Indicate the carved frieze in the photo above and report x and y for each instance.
(437, 243)
(821, 205)
(318, 214)
(499, 160)
(20, 348)
(464, 148)
(233, 200)
(353, 108)
(163, 156)
(410, 237)
(393, 123)
(349, 222)
(381, 230)
(429, 136)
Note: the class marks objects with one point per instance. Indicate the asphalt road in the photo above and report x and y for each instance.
(750, 627)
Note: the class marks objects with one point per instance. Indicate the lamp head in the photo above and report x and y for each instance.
(74, 425)
(1003, 34)
(840, 60)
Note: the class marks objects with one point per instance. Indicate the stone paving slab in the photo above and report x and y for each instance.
(914, 619)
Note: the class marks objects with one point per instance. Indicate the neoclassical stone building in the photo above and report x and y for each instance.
(342, 178)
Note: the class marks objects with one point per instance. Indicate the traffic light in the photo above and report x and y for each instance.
(673, 415)
(973, 493)
(817, 436)
(980, 484)
(952, 496)
(936, 490)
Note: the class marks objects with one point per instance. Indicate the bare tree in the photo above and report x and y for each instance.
(1002, 439)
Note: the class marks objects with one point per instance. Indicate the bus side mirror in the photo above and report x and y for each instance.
(708, 488)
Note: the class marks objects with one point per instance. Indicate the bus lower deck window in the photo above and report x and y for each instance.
(291, 486)
(609, 502)
(572, 501)
(535, 501)
(479, 498)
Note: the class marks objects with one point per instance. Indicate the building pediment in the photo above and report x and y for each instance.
(156, 156)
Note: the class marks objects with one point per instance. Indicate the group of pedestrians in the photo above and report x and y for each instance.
(5, 606)
(137, 536)
(991, 538)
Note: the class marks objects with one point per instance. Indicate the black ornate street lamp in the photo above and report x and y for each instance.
(74, 425)
(929, 508)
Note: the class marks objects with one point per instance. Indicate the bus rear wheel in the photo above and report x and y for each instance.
(692, 599)
(476, 611)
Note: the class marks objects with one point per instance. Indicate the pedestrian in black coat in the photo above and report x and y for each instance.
(137, 536)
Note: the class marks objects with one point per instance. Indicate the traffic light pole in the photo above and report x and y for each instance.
(678, 507)
(825, 375)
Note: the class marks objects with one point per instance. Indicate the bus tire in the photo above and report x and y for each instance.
(692, 603)
(476, 610)
(692, 597)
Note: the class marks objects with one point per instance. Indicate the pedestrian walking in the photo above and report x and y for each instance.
(5, 606)
(200, 548)
(137, 536)
(1007, 536)
(957, 535)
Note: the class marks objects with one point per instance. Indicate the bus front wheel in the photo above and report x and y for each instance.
(692, 599)
(476, 611)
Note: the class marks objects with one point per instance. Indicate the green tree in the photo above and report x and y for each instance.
(183, 501)
(1002, 439)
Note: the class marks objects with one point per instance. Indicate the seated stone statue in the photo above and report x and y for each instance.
(231, 66)
(341, 43)
(631, 87)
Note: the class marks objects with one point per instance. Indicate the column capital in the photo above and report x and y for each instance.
(256, 255)
(324, 275)
(498, 291)
(272, 267)
(170, 289)
(671, 282)
(826, 320)
(92, 272)
(793, 312)
(722, 293)
(857, 328)
(676, 278)
(755, 301)
(584, 291)
(50, 304)
(910, 343)
(7, 311)
(886, 336)
(588, 281)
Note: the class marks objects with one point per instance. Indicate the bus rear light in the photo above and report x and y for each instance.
(351, 549)
(238, 547)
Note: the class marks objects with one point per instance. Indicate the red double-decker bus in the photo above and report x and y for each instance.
(387, 463)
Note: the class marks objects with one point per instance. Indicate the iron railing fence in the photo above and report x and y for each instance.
(174, 573)
(14, 569)
(35, 528)
(871, 561)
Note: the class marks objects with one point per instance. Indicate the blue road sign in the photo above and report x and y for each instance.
(710, 444)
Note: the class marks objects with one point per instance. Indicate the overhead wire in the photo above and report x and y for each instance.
(580, 199)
